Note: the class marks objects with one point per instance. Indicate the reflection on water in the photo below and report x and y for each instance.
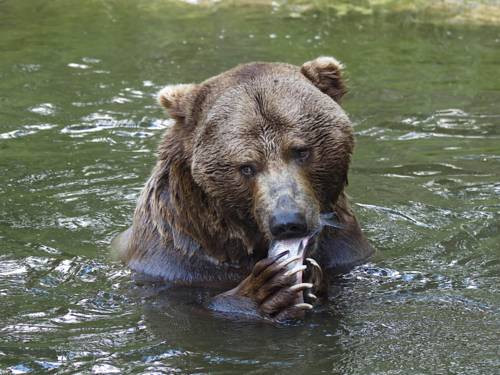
(78, 132)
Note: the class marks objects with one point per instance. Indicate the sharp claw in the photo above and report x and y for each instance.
(301, 246)
(315, 268)
(294, 270)
(280, 255)
(303, 306)
(311, 296)
(289, 260)
(313, 262)
(301, 286)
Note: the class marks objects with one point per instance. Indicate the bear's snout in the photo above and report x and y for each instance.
(285, 224)
(285, 208)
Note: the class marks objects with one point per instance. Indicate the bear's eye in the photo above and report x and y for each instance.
(247, 170)
(301, 154)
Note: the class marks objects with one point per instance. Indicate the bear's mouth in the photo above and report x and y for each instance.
(297, 248)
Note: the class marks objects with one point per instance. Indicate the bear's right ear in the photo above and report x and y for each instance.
(326, 74)
(173, 97)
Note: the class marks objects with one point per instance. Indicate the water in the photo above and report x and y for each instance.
(78, 132)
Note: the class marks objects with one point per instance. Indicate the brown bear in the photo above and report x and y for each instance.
(256, 154)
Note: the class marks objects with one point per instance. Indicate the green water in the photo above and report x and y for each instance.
(78, 132)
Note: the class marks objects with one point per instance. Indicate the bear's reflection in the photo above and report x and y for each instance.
(176, 317)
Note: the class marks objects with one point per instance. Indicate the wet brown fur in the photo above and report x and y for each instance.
(197, 221)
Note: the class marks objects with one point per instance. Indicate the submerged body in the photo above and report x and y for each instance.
(257, 154)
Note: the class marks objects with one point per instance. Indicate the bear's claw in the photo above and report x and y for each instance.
(300, 287)
(311, 296)
(295, 270)
(303, 306)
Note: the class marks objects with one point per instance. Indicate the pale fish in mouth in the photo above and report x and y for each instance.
(298, 262)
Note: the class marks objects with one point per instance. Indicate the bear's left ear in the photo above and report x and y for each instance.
(325, 73)
(173, 98)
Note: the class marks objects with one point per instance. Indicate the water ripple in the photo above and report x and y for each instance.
(44, 109)
(26, 130)
(425, 173)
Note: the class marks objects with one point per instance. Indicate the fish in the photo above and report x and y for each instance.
(296, 248)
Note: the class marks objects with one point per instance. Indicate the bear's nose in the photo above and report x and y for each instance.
(288, 224)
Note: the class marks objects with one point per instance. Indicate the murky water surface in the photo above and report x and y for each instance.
(78, 132)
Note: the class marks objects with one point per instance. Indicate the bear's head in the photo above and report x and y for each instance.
(265, 149)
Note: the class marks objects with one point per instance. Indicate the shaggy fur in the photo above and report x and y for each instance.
(199, 220)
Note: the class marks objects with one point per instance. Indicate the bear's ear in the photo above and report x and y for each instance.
(173, 97)
(325, 73)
